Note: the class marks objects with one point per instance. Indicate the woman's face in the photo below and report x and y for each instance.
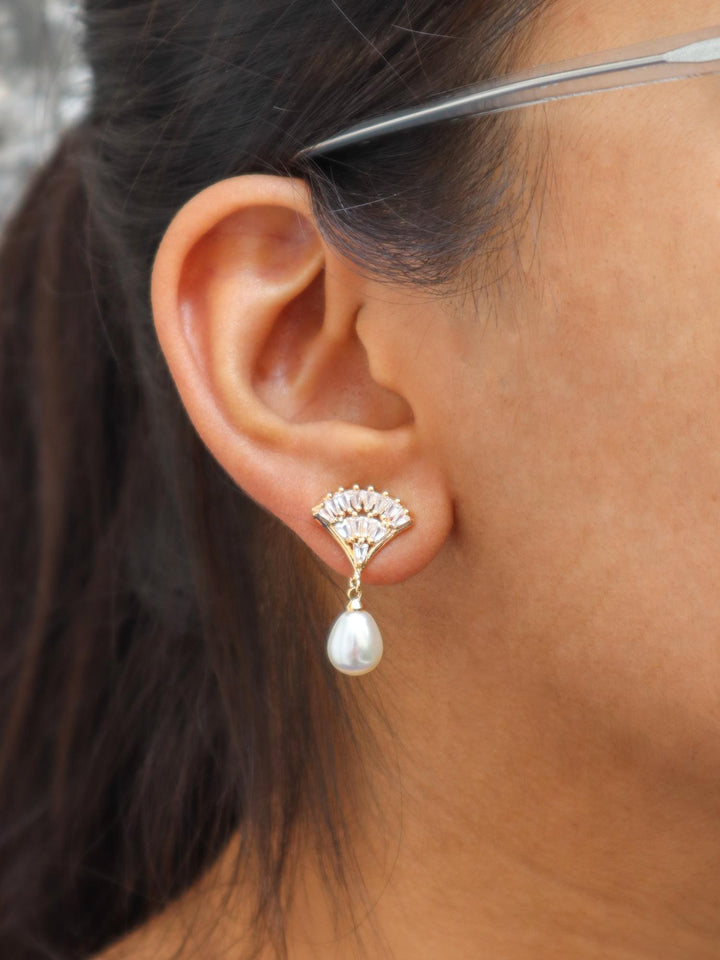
(571, 410)
(583, 439)
(561, 647)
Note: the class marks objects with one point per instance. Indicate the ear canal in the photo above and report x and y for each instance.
(307, 373)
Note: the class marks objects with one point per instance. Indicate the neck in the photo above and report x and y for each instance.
(498, 815)
(518, 821)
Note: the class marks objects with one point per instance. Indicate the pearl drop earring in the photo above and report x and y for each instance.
(362, 521)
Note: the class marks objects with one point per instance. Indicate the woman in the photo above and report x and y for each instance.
(509, 323)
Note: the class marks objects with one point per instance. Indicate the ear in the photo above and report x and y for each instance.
(256, 316)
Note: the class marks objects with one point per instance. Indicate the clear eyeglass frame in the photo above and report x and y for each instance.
(678, 57)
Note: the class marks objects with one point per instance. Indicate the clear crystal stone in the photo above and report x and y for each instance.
(402, 521)
(393, 512)
(375, 530)
(361, 551)
(341, 529)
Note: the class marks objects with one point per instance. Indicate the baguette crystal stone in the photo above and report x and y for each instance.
(360, 552)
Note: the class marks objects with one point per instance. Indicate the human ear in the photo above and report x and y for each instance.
(256, 316)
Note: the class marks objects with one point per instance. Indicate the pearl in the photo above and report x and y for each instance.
(355, 645)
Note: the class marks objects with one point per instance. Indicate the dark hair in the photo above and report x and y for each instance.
(162, 672)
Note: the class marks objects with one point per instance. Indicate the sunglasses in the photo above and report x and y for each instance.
(671, 58)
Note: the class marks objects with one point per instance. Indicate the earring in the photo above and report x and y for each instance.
(362, 521)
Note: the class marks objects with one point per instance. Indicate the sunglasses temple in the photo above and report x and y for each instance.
(640, 64)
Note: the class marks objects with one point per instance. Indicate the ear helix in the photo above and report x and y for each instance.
(362, 521)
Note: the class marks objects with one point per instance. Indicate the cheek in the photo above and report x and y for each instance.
(620, 313)
(589, 448)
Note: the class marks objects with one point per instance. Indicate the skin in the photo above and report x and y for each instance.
(552, 665)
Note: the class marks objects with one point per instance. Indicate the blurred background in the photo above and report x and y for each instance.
(44, 86)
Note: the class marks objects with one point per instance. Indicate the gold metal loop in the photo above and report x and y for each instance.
(354, 593)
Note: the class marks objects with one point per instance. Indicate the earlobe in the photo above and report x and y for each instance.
(256, 317)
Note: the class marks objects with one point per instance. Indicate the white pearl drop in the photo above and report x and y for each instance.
(355, 645)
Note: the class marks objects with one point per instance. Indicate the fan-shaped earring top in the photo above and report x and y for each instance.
(362, 521)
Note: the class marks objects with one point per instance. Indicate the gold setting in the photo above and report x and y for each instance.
(362, 520)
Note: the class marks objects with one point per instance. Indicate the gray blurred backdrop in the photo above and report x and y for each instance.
(44, 86)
